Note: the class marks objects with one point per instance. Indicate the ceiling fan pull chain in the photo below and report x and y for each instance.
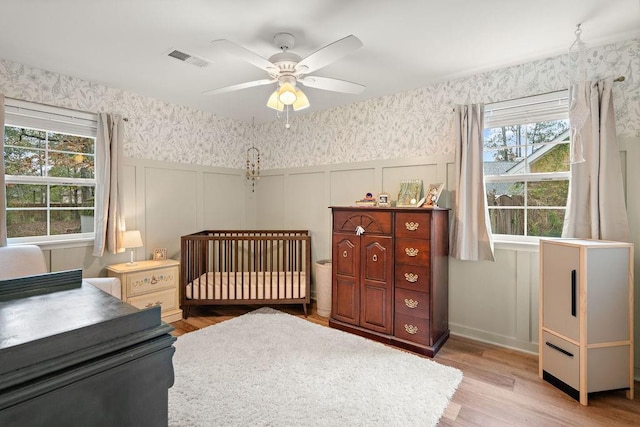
(287, 125)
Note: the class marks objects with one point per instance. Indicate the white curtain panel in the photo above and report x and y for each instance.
(109, 212)
(596, 207)
(3, 196)
(471, 232)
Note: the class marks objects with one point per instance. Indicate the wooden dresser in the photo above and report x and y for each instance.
(149, 283)
(390, 275)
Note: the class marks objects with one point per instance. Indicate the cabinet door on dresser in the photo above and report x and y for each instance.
(346, 272)
(376, 291)
(561, 290)
(362, 285)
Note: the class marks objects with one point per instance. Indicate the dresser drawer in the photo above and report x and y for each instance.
(413, 277)
(561, 359)
(412, 251)
(143, 282)
(415, 225)
(372, 221)
(167, 299)
(412, 303)
(411, 328)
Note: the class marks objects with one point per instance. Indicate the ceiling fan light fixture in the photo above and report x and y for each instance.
(290, 70)
(287, 93)
(302, 101)
(274, 103)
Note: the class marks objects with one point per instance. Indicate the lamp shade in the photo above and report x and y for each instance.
(274, 103)
(287, 93)
(302, 101)
(131, 239)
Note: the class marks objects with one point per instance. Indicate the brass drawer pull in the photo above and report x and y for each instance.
(153, 305)
(411, 251)
(410, 277)
(374, 258)
(410, 329)
(411, 303)
(154, 280)
(411, 226)
(344, 254)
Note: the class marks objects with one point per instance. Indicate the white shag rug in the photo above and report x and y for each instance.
(268, 368)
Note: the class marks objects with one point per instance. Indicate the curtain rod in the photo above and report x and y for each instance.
(126, 119)
(617, 79)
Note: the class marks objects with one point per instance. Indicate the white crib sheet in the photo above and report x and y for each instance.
(248, 285)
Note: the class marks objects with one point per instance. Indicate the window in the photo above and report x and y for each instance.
(49, 156)
(526, 165)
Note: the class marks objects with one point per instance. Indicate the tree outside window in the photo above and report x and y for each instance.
(50, 182)
(526, 169)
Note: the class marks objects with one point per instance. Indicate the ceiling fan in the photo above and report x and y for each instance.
(288, 69)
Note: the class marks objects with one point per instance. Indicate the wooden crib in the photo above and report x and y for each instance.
(245, 267)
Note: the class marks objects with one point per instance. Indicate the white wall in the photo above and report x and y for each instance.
(497, 302)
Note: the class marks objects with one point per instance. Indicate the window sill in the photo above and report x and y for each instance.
(513, 243)
(58, 244)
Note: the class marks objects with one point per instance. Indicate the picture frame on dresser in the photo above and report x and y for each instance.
(383, 200)
(432, 194)
(159, 254)
(409, 194)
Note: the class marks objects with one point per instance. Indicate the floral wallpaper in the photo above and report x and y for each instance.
(156, 130)
(420, 122)
(407, 124)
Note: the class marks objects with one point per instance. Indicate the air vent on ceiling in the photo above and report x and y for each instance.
(185, 57)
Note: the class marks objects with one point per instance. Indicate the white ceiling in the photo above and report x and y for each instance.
(407, 43)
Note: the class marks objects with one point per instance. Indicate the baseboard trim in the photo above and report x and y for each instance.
(495, 339)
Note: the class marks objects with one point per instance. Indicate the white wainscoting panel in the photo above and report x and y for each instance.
(349, 185)
(270, 203)
(496, 301)
(224, 201)
(171, 208)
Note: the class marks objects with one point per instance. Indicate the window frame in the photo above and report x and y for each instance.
(523, 111)
(50, 119)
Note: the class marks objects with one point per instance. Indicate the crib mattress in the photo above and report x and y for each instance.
(248, 286)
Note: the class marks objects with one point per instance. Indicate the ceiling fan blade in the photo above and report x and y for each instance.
(328, 54)
(239, 86)
(229, 47)
(334, 85)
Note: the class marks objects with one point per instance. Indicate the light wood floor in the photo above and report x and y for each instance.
(500, 386)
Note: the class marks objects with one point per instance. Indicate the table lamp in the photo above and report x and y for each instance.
(131, 239)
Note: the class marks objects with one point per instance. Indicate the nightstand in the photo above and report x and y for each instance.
(150, 283)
